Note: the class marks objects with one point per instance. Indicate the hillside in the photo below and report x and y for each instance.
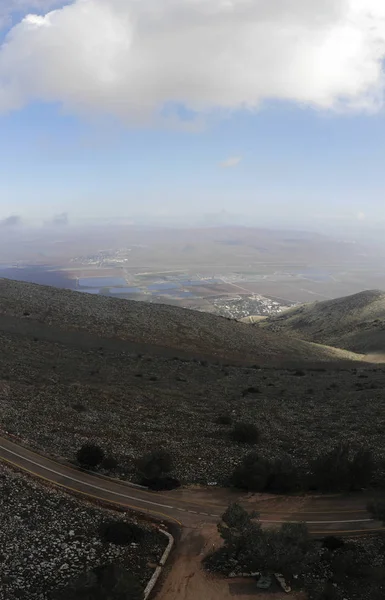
(81, 319)
(62, 385)
(355, 323)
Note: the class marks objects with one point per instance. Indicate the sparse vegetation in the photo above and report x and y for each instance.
(125, 414)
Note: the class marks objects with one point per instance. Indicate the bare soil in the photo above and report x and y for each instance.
(187, 580)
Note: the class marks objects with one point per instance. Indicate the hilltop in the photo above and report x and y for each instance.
(355, 323)
(74, 318)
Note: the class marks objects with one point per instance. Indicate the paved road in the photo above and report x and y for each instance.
(193, 507)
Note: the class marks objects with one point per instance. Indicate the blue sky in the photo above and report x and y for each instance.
(253, 134)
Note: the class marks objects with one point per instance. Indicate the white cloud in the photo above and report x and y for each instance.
(361, 216)
(132, 58)
(10, 7)
(231, 162)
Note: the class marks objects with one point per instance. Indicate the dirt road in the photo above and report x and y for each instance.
(196, 511)
(192, 507)
(186, 580)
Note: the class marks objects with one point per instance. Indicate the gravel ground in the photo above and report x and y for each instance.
(57, 397)
(48, 538)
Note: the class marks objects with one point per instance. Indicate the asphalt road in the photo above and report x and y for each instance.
(190, 508)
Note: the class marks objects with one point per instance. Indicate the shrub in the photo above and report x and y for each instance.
(224, 420)
(342, 470)
(245, 433)
(250, 390)
(155, 464)
(362, 468)
(252, 474)
(110, 582)
(159, 484)
(333, 543)
(90, 455)
(120, 533)
(110, 463)
(257, 474)
(79, 407)
(283, 477)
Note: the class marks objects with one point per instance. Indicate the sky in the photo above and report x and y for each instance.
(273, 111)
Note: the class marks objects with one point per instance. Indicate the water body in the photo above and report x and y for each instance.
(163, 286)
(44, 275)
(99, 282)
(126, 290)
(315, 275)
(89, 290)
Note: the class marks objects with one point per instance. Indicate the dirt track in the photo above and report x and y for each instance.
(186, 580)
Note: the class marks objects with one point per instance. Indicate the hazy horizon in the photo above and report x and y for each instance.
(173, 110)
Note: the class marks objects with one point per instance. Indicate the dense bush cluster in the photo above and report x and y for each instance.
(250, 548)
(257, 474)
(331, 569)
(341, 470)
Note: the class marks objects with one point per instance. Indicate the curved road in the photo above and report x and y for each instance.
(324, 515)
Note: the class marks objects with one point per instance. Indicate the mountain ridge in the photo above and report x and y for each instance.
(158, 326)
(355, 323)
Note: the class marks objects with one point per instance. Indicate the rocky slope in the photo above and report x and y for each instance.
(355, 323)
(82, 320)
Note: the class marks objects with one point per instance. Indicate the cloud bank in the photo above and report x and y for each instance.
(12, 221)
(133, 59)
(231, 162)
